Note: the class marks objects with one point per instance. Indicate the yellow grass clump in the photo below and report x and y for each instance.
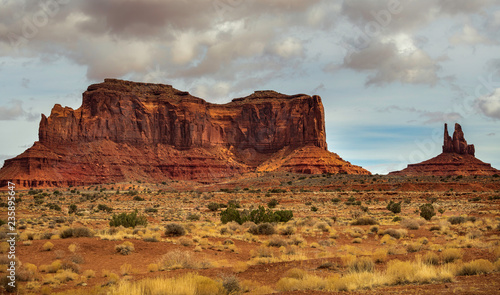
(398, 272)
(189, 284)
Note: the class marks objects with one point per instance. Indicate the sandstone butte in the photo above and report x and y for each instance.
(457, 158)
(153, 132)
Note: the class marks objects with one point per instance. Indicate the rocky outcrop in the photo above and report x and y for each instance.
(457, 159)
(130, 131)
(458, 144)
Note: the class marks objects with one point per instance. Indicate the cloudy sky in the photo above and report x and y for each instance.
(390, 72)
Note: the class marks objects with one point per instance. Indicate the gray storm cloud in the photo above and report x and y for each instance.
(228, 40)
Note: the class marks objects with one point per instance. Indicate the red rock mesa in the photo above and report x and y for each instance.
(140, 131)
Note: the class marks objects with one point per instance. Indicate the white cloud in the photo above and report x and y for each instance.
(489, 105)
(289, 48)
(394, 59)
(469, 36)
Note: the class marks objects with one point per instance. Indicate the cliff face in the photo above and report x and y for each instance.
(126, 130)
(149, 114)
(457, 159)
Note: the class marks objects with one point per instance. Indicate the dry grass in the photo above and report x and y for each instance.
(397, 273)
(180, 259)
(451, 255)
(475, 267)
(125, 248)
(189, 284)
(47, 246)
(430, 258)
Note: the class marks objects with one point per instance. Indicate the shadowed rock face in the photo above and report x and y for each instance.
(457, 159)
(130, 131)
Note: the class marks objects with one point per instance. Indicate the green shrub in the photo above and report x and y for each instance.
(230, 214)
(174, 230)
(394, 207)
(427, 211)
(128, 220)
(273, 203)
(213, 206)
(72, 208)
(257, 216)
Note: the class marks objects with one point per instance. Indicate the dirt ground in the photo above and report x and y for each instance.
(324, 208)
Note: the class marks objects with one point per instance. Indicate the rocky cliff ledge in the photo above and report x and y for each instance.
(140, 131)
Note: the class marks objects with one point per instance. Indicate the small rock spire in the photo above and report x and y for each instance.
(457, 144)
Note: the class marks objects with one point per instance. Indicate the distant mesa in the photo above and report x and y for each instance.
(457, 158)
(153, 132)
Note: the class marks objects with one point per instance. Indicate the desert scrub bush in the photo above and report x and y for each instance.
(297, 280)
(47, 246)
(409, 272)
(474, 234)
(296, 240)
(427, 211)
(361, 264)
(395, 233)
(451, 255)
(186, 284)
(212, 206)
(287, 230)
(231, 284)
(89, 274)
(394, 207)
(193, 217)
(276, 241)
(153, 267)
(411, 224)
(125, 248)
(365, 220)
(430, 258)
(77, 232)
(272, 203)
(262, 252)
(151, 237)
(380, 255)
(413, 247)
(180, 259)
(174, 230)
(456, 219)
(262, 229)
(125, 269)
(128, 220)
(322, 226)
(186, 242)
(102, 207)
(474, 267)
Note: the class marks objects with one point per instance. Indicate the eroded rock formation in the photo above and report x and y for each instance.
(457, 159)
(457, 144)
(130, 131)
